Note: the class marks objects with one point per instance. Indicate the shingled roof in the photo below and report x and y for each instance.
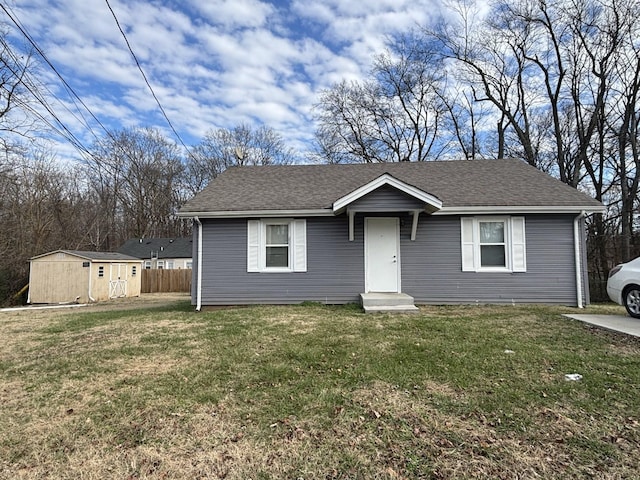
(94, 256)
(161, 247)
(457, 184)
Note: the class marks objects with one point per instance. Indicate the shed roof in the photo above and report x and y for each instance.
(93, 256)
(176, 247)
(457, 184)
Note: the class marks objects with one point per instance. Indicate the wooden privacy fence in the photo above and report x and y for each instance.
(157, 281)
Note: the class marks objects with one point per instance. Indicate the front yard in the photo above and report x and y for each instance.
(316, 392)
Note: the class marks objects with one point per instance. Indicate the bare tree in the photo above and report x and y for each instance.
(17, 118)
(394, 116)
(564, 79)
(41, 207)
(135, 175)
(242, 145)
(623, 121)
(553, 83)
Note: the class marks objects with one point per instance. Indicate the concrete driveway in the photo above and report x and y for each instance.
(617, 323)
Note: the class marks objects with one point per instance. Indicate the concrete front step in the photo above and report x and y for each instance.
(392, 309)
(388, 302)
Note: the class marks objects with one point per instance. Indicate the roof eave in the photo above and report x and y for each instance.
(318, 212)
(88, 257)
(510, 209)
(461, 210)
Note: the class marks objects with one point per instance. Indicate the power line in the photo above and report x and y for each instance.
(68, 87)
(32, 88)
(65, 132)
(145, 77)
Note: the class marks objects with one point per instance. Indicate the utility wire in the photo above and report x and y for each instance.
(26, 34)
(66, 133)
(30, 86)
(135, 58)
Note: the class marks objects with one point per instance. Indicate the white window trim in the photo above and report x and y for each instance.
(257, 239)
(515, 244)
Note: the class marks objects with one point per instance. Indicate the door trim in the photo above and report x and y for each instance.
(367, 286)
(118, 286)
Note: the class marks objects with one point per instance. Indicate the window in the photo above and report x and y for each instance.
(493, 244)
(170, 265)
(101, 271)
(147, 264)
(160, 264)
(189, 264)
(276, 245)
(134, 270)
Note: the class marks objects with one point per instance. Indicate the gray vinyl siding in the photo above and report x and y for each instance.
(335, 272)
(431, 266)
(387, 199)
(194, 262)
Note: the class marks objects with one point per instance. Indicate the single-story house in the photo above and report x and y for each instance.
(443, 232)
(78, 276)
(160, 253)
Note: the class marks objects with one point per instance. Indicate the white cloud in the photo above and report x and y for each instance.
(234, 13)
(214, 63)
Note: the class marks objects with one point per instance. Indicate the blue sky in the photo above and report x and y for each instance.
(212, 63)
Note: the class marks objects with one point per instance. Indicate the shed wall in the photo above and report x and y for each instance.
(54, 280)
(100, 285)
(60, 278)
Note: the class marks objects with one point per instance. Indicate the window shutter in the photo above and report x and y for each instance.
(299, 245)
(468, 244)
(253, 246)
(518, 245)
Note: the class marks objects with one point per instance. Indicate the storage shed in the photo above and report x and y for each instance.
(80, 276)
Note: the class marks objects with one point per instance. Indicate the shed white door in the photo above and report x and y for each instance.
(382, 255)
(118, 280)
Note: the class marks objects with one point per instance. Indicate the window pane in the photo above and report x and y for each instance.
(277, 256)
(491, 232)
(492, 256)
(277, 234)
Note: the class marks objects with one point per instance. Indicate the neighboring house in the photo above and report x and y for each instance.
(78, 276)
(486, 231)
(161, 253)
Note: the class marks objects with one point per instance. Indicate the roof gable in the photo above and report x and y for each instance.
(432, 203)
(92, 256)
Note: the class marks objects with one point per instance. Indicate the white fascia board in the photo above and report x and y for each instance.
(324, 212)
(500, 210)
(45, 254)
(382, 180)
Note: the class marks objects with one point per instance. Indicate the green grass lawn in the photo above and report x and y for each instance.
(314, 392)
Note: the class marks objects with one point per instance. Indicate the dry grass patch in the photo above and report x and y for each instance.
(316, 392)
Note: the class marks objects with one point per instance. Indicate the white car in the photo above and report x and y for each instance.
(623, 286)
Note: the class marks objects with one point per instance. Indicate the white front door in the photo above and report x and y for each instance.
(382, 255)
